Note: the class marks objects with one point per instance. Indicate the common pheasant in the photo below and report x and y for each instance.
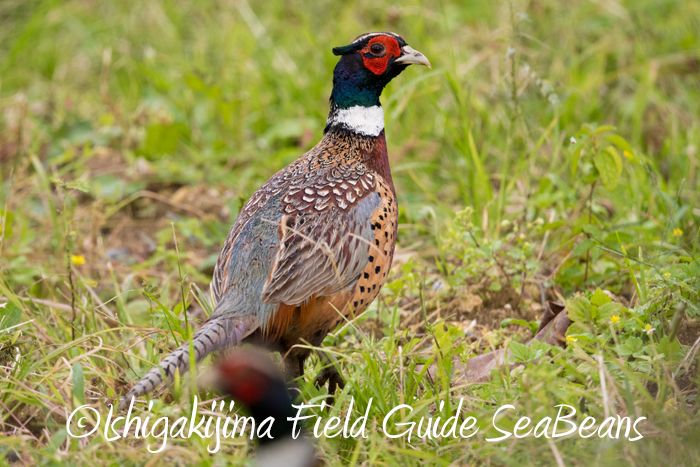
(315, 243)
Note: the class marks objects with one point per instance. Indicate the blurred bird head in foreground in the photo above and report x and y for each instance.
(252, 379)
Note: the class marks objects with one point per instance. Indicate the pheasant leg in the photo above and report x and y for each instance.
(330, 374)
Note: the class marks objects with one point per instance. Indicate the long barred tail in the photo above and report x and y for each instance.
(215, 334)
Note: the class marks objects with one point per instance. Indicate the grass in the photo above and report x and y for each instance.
(129, 129)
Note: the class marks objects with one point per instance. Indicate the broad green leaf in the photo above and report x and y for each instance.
(579, 309)
(632, 345)
(600, 298)
(606, 311)
(583, 247)
(10, 315)
(539, 346)
(508, 321)
(607, 168)
(577, 330)
(618, 160)
(671, 348)
(694, 268)
(620, 142)
(519, 351)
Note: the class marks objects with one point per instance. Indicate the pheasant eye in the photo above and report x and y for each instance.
(377, 50)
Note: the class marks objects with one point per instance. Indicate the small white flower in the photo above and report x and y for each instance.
(573, 140)
(510, 52)
(3, 305)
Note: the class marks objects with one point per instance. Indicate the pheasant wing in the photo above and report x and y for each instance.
(320, 253)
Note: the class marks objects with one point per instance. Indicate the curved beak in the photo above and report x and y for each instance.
(412, 57)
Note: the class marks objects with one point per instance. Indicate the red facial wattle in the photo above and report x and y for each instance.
(243, 382)
(377, 65)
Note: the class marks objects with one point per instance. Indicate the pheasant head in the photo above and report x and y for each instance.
(365, 67)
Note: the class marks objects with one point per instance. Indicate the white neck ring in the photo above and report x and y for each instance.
(368, 121)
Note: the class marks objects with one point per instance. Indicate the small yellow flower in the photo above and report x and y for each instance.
(667, 275)
(628, 155)
(677, 232)
(77, 259)
(648, 329)
(614, 319)
(571, 339)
